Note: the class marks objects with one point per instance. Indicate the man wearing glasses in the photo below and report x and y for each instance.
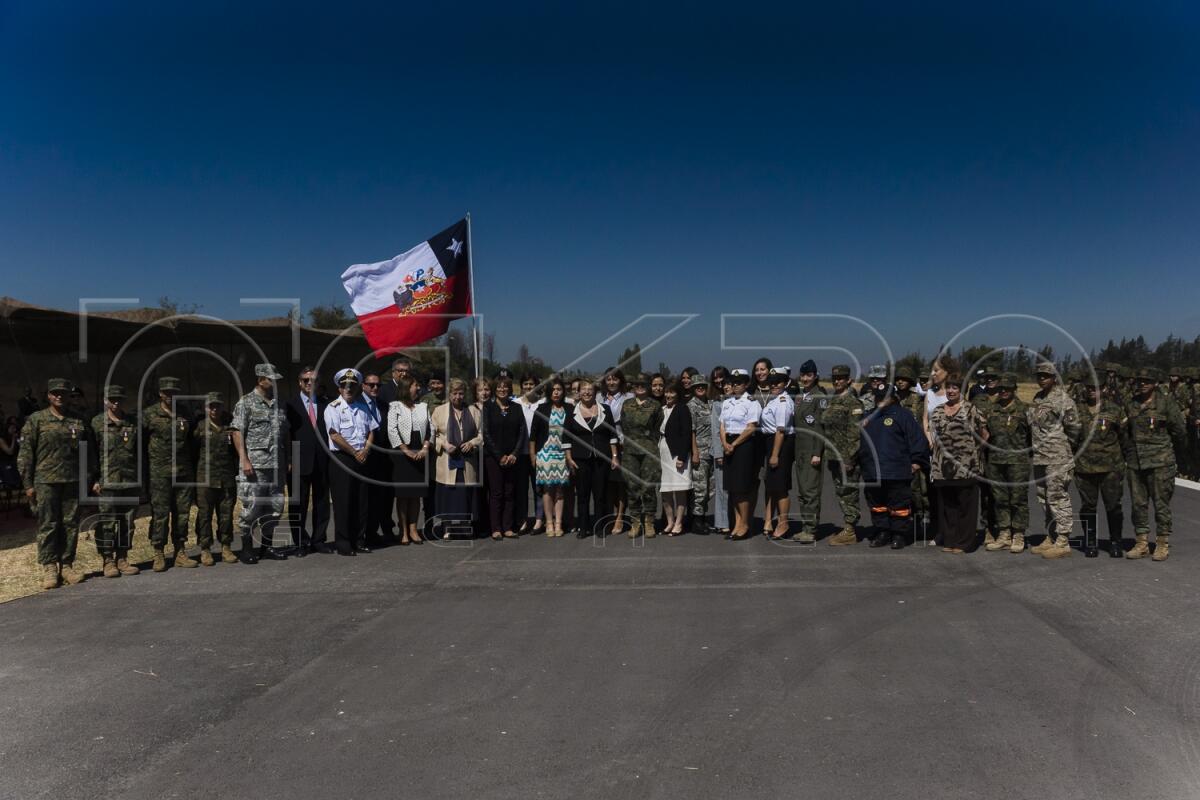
(1156, 429)
(49, 465)
(305, 416)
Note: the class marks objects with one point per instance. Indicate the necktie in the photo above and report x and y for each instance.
(312, 411)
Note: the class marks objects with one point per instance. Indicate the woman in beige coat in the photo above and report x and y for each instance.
(457, 441)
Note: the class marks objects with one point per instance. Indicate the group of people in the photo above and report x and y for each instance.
(399, 462)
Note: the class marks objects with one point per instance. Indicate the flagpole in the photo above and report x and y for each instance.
(471, 284)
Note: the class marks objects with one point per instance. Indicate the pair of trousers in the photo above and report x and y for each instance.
(891, 504)
(501, 485)
(349, 501)
(591, 481)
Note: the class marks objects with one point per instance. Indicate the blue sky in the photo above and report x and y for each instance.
(917, 168)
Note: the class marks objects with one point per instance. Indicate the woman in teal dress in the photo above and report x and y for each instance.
(549, 459)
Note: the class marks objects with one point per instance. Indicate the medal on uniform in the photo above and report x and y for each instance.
(229, 439)
(810, 419)
(1103, 424)
(125, 437)
(182, 425)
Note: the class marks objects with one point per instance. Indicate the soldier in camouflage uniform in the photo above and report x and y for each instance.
(169, 443)
(811, 403)
(1192, 414)
(49, 465)
(1007, 469)
(216, 479)
(259, 427)
(915, 403)
(1155, 429)
(841, 422)
(700, 407)
(118, 484)
(641, 417)
(1178, 390)
(1100, 465)
(1054, 430)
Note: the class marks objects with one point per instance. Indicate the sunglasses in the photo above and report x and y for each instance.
(371, 384)
(348, 383)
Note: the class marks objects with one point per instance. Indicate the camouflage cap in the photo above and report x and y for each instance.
(1045, 368)
(641, 379)
(1148, 373)
(1008, 381)
(114, 392)
(1191, 372)
(991, 374)
(840, 371)
(58, 385)
(168, 384)
(1124, 373)
(1109, 366)
(214, 399)
(905, 373)
(699, 379)
(877, 371)
(267, 371)
(1175, 371)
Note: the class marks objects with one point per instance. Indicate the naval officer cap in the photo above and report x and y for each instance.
(347, 375)
(779, 375)
(739, 376)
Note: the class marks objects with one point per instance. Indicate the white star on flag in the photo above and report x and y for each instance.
(455, 247)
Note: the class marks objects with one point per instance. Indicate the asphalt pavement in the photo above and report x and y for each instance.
(675, 668)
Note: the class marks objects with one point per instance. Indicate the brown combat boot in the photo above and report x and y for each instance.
(1141, 547)
(160, 560)
(227, 556)
(1060, 549)
(206, 558)
(648, 526)
(845, 536)
(1046, 544)
(1162, 547)
(1001, 542)
(124, 566)
(182, 559)
(110, 568)
(635, 527)
(49, 576)
(73, 575)
(1018, 543)
(989, 539)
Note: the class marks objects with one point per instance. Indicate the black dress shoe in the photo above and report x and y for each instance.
(322, 548)
(362, 548)
(249, 557)
(346, 553)
(700, 527)
(898, 542)
(270, 554)
(881, 540)
(1116, 549)
(301, 551)
(1091, 552)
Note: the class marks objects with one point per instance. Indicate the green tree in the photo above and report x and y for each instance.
(631, 360)
(331, 317)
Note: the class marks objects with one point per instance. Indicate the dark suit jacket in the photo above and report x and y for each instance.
(314, 448)
(679, 432)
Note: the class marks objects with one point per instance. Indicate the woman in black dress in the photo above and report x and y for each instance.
(504, 441)
(408, 431)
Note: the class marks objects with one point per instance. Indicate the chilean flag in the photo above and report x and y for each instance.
(413, 297)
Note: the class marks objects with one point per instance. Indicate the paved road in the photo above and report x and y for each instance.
(689, 668)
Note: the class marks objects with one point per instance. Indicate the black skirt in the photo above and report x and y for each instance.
(410, 476)
(742, 465)
(778, 480)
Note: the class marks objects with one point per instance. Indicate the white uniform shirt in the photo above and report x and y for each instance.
(738, 412)
(527, 408)
(778, 415)
(352, 421)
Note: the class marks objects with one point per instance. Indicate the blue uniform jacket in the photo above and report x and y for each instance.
(891, 442)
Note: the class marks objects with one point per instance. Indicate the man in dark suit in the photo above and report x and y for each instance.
(380, 495)
(305, 416)
(401, 368)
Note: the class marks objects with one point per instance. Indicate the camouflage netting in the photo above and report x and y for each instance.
(205, 354)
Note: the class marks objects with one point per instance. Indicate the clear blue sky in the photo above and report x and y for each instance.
(917, 168)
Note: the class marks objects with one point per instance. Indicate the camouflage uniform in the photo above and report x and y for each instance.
(169, 444)
(120, 485)
(1181, 393)
(1053, 427)
(1155, 429)
(261, 423)
(1007, 468)
(840, 422)
(216, 474)
(639, 456)
(1100, 467)
(49, 464)
(810, 442)
(702, 470)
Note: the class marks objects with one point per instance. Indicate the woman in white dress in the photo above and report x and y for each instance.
(675, 458)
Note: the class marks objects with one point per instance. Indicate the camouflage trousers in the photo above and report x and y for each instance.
(170, 510)
(1010, 496)
(114, 527)
(808, 494)
(262, 504)
(218, 500)
(1054, 494)
(702, 487)
(57, 509)
(643, 473)
(920, 493)
(1148, 486)
(845, 486)
(1093, 486)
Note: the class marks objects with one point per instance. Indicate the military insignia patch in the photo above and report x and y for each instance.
(810, 419)
(888, 422)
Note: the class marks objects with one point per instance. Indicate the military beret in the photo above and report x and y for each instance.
(214, 399)
(840, 371)
(58, 385)
(168, 384)
(267, 371)
(808, 367)
(739, 376)
(906, 373)
(114, 392)
(1008, 381)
